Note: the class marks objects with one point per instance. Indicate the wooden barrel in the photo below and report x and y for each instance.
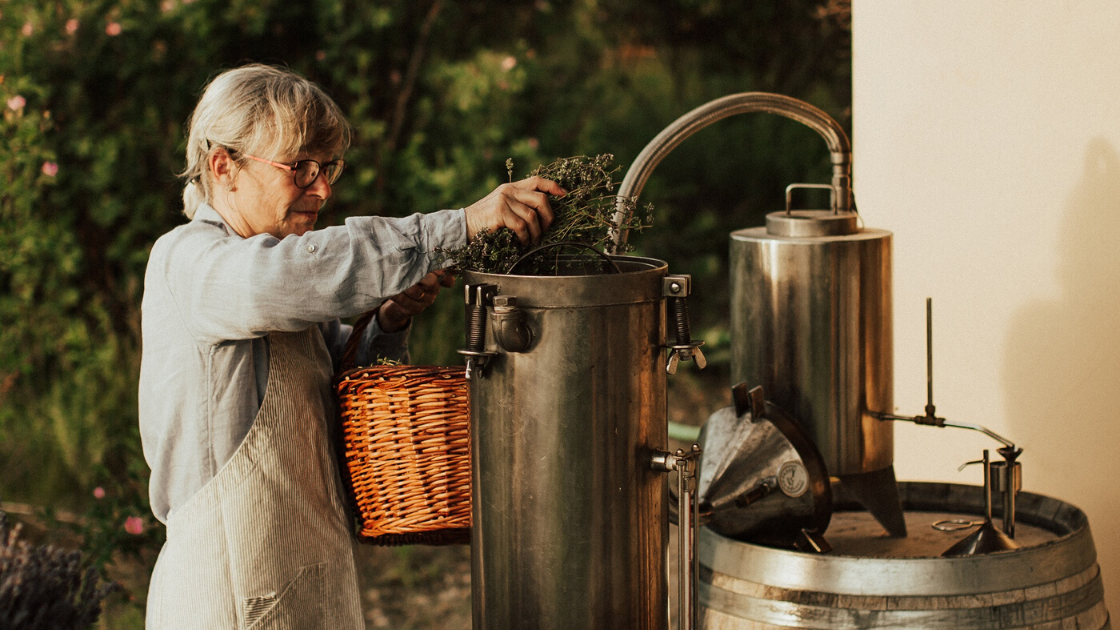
(1051, 582)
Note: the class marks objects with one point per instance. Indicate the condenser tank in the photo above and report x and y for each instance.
(811, 323)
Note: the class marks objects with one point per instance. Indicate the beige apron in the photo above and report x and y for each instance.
(266, 544)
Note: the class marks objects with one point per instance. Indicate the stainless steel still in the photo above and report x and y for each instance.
(810, 307)
(570, 521)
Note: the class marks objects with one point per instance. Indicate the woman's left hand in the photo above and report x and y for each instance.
(395, 313)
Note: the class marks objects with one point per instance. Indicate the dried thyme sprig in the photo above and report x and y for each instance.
(585, 215)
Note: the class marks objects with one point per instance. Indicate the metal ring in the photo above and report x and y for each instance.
(955, 525)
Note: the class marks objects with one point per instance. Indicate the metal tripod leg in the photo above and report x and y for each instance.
(878, 492)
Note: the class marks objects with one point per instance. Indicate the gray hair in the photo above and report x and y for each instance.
(260, 110)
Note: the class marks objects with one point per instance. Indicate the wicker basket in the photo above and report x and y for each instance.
(406, 453)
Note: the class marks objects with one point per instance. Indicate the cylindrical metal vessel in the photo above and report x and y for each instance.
(1052, 582)
(570, 523)
(811, 323)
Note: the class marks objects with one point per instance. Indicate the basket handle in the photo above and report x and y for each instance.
(350, 350)
(562, 244)
(744, 103)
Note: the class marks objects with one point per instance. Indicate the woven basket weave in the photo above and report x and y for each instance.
(406, 453)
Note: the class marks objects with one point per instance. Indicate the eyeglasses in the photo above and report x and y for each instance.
(305, 172)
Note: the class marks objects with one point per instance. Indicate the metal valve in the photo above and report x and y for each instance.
(687, 465)
(478, 297)
(676, 288)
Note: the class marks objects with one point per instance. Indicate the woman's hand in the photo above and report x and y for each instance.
(521, 206)
(395, 313)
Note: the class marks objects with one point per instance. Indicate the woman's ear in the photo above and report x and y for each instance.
(222, 167)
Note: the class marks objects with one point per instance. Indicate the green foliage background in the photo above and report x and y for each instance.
(440, 93)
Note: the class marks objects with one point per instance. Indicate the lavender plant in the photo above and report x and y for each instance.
(44, 587)
(584, 216)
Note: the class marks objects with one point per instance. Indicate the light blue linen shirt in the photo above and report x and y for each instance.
(211, 297)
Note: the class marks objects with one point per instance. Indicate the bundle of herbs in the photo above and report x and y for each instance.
(583, 222)
(44, 587)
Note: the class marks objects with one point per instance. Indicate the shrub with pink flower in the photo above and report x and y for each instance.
(99, 493)
(16, 103)
(71, 26)
(50, 169)
(112, 29)
(134, 525)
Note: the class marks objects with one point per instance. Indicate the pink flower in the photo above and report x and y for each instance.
(27, 29)
(134, 525)
(50, 169)
(112, 29)
(166, 6)
(98, 492)
(16, 103)
(509, 63)
(71, 26)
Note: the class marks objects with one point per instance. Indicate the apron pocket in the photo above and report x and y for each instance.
(298, 605)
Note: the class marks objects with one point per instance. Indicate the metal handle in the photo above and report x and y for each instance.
(745, 103)
(828, 187)
(510, 329)
(526, 255)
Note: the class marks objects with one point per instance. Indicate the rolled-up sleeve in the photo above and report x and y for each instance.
(227, 287)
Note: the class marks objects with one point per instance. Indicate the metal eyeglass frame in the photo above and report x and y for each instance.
(294, 168)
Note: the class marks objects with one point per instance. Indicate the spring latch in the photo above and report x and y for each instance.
(478, 297)
(676, 288)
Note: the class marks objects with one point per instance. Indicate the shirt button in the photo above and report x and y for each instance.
(310, 249)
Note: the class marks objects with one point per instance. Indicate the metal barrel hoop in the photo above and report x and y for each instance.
(713, 111)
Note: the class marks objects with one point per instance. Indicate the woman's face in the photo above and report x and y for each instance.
(264, 199)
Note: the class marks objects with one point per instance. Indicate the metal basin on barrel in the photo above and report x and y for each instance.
(1051, 582)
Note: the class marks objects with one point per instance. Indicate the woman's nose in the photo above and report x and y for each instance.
(319, 186)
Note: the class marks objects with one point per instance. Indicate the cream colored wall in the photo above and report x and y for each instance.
(987, 138)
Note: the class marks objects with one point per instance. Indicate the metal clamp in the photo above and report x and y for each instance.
(687, 465)
(478, 297)
(676, 288)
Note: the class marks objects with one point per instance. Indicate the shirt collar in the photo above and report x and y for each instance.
(206, 213)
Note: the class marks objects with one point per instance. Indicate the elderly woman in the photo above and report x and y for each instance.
(241, 335)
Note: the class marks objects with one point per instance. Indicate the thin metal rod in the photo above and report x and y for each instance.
(929, 355)
(694, 549)
(684, 529)
(987, 487)
(985, 430)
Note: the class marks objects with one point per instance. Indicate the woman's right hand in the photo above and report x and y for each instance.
(521, 206)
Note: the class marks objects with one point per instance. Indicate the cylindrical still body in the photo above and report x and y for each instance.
(569, 521)
(811, 323)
